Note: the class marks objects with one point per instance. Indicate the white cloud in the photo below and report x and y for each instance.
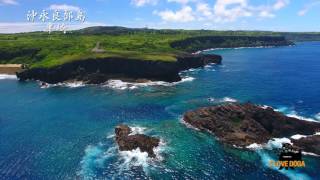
(140, 3)
(204, 9)
(19, 27)
(64, 7)
(221, 11)
(185, 14)
(9, 2)
(308, 7)
(181, 1)
(279, 4)
(230, 10)
(266, 14)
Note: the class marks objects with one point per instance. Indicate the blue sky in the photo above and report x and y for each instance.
(274, 15)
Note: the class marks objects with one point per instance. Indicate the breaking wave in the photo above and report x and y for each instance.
(121, 85)
(7, 76)
(290, 112)
(215, 49)
(75, 84)
(222, 100)
(98, 158)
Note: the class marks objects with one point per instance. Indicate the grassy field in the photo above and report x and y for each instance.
(40, 49)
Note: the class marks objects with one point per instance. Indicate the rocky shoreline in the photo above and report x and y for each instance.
(97, 71)
(244, 124)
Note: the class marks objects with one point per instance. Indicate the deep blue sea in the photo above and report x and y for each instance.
(67, 133)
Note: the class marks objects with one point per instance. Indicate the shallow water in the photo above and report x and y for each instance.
(66, 133)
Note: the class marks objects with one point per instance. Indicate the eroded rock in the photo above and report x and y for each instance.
(127, 142)
(245, 124)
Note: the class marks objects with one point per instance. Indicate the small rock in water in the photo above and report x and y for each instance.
(127, 142)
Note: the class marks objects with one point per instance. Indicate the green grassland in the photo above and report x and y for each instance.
(39, 49)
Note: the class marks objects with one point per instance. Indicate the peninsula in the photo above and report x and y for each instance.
(96, 54)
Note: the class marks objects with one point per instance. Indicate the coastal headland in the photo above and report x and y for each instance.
(96, 54)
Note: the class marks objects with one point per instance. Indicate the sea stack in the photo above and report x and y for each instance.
(127, 142)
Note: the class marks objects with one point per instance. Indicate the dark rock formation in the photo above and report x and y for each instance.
(244, 124)
(308, 144)
(96, 71)
(193, 44)
(127, 142)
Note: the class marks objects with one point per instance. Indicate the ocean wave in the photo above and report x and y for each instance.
(99, 157)
(277, 143)
(222, 100)
(75, 84)
(122, 85)
(7, 76)
(188, 125)
(274, 143)
(234, 48)
(290, 112)
(94, 158)
(317, 116)
(136, 157)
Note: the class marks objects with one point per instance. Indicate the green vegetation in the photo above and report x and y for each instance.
(39, 49)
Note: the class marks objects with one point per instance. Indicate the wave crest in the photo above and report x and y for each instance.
(7, 76)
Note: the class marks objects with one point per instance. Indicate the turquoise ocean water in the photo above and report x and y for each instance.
(67, 132)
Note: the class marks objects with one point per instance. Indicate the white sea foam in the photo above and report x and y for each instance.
(290, 112)
(121, 85)
(222, 100)
(294, 114)
(75, 84)
(138, 158)
(137, 130)
(134, 158)
(310, 154)
(188, 125)
(265, 106)
(298, 136)
(255, 146)
(317, 116)
(7, 76)
(228, 99)
(276, 143)
(95, 157)
(215, 49)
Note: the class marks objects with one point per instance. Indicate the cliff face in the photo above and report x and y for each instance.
(205, 42)
(96, 71)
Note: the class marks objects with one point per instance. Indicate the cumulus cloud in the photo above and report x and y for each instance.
(204, 9)
(140, 3)
(308, 7)
(182, 1)
(185, 14)
(222, 10)
(9, 2)
(230, 10)
(64, 7)
(280, 4)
